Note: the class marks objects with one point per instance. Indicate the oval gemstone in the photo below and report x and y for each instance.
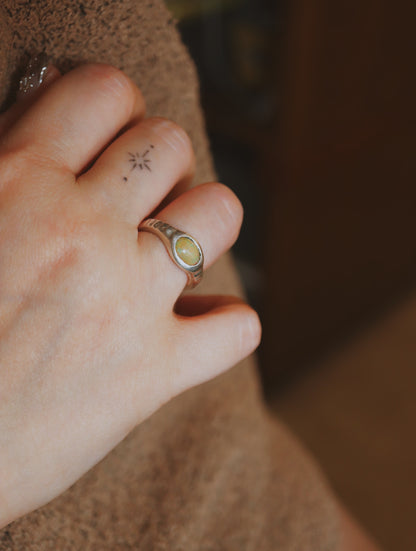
(187, 251)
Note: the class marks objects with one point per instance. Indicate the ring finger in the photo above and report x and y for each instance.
(210, 213)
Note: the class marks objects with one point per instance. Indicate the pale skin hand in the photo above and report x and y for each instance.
(87, 329)
(90, 343)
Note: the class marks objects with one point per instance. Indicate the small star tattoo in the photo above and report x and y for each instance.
(140, 161)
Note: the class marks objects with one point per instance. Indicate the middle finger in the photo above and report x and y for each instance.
(137, 170)
(76, 117)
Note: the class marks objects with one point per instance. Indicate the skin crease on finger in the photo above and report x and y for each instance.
(88, 331)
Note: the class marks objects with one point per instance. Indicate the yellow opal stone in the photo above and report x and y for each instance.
(187, 251)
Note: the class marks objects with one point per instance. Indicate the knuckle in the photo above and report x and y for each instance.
(17, 163)
(106, 74)
(10, 168)
(65, 229)
(229, 209)
(172, 135)
(77, 227)
(41, 240)
(112, 83)
(230, 200)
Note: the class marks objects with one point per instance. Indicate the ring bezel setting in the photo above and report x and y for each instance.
(170, 237)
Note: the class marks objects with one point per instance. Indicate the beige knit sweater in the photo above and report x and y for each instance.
(211, 470)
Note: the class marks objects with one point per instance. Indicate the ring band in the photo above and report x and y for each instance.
(183, 249)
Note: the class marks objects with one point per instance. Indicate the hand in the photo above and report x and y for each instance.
(91, 342)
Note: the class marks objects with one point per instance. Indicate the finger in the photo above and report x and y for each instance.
(214, 341)
(77, 116)
(134, 174)
(196, 305)
(210, 213)
(38, 77)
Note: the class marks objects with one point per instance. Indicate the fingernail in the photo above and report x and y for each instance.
(34, 75)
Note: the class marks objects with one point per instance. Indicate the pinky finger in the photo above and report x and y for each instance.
(215, 333)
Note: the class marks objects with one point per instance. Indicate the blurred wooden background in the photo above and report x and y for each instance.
(341, 222)
(310, 106)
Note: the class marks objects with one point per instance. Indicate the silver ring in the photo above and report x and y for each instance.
(183, 249)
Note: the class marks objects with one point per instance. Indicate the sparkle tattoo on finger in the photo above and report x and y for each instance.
(140, 161)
